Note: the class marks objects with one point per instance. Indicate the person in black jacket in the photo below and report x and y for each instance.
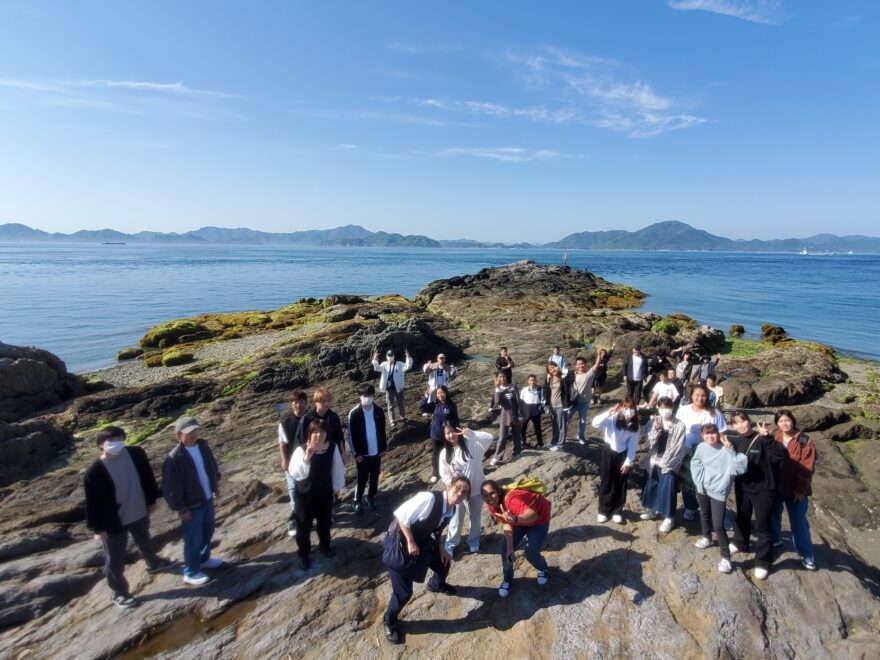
(755, 490)
(121, 493)
(321, 410)
(559, 395)
(190, 483)
(287, 431)
(368, 443)
(441, 407)
(635, 370)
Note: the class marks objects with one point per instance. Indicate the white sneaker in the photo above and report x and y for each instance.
(213, 562)
(474, 548)
(733, 548)
(617, 518)
(724, 566)
(690, 514)
(494, 461)
(809, 564)
(433, 479)
(761, 573)
(666, 525)
(602, 518)
(703, 543)
(504, 589)
(197, 579)
(553, 447)
(648, 515)
(543, 578)
(581, 441)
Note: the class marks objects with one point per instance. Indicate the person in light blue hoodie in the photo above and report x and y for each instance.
(714, 465)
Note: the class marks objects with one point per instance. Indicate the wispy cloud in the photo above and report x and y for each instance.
(506, 154)
(124, 96)
(421, 49)
(846, 22)
(767, 12)
(404, 118)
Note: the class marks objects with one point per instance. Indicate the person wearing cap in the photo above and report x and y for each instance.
(635, 368)
(121, 493)
(391, 382)
(439, 373)
(190, 482)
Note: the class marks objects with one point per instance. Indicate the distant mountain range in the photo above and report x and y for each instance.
(669, 235)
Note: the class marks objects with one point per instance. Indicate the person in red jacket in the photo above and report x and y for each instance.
(522, 514)
(794, 488)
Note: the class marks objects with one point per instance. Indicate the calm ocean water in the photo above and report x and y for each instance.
(85, 302)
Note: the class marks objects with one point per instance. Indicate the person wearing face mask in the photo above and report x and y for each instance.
(287, 430)
(667, 451)
(620, 425)
(190, 484)
(368, 443)
(121, 493)
(391, 382)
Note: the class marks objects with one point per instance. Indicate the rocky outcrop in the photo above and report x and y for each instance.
(32, 379)
(609, 584)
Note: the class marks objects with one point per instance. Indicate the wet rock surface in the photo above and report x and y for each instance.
(615, 590)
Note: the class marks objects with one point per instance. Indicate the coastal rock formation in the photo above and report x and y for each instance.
(31, 379)
(615, 590)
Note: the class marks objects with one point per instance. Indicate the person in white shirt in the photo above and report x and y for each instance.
(463, 455)
(367, 442)
(439, 373)
(531, 399)
(391, 382)
(559, 360)
(635, 370)
(414, 544)
(621, 430)
(319, 473)
(663, 389)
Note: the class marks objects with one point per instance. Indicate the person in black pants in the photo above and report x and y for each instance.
(121, 493)
(755, 490)
(319, 473)
(635, 369)
(441, 409)
(368, 443)
(414, 544)
(322, 400)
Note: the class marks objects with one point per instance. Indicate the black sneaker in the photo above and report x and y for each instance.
(444, 588)
(124, 601)
(392, 634)
(163, 564)
(358, 508)
(371, 505)
(305, 563)
(328, 552)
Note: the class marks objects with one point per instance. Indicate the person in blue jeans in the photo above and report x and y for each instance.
(523, 514)
(190, 483)
(583, 385)
(794, 487)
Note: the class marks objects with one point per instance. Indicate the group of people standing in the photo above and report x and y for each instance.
(690, 449)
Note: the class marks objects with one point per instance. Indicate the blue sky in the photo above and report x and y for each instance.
(494, 121)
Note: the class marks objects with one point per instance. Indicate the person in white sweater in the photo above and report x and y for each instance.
(667, 451)
(714, 465)
(391, 382)
(463, 455)
(620, 425)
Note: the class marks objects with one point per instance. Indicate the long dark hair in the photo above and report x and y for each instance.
(448, 449)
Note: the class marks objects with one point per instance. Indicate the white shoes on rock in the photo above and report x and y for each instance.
(761, 573)
(648, 515)
(602, 518)
(666, 525)
(617, 518)
(703, 543)
(724, 566)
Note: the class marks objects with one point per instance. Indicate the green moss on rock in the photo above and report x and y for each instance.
(154, 360)
(168, 334)
(174, 358)
(129, 354)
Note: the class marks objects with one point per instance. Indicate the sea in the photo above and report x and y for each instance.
(84, 302)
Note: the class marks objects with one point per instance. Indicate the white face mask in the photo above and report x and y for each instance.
(114, 447)
(628, 414)
(366, 401)
(665, 413)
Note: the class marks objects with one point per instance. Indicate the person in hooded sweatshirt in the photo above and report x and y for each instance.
(713, 466)
(755, 489)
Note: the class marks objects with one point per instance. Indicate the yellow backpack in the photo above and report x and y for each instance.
(531, 484)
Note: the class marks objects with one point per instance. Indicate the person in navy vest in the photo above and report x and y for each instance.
(414, 544)
(368, 443)
(121, 493)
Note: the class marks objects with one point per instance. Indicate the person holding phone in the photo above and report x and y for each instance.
(667, 451)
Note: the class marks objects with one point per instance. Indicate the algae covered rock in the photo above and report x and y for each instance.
(154, 360)
(129, 354)
(736, 330)
(168, 334)
(174, 358)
